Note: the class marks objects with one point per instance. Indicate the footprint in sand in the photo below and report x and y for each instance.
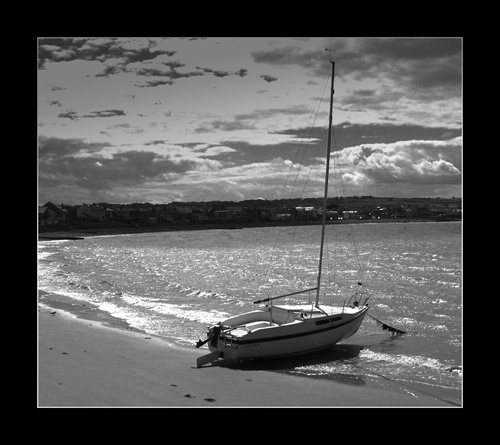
(209, 399)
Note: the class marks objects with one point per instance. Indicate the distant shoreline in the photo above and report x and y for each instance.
(81, 233)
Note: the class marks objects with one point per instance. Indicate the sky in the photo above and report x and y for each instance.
(123, 120)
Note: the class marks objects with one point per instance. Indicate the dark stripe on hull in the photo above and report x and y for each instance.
(237, 341)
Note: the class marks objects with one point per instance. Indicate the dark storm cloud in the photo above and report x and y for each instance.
(67, 49)
(219, 73)
(266, 113)
(153, 83)
(170, 71)
(217, 124)
(412, 48)
(417, 63)
(291, 55)
(73, 115)
(348, 134)
(51, 148)
(63, 161)
(124, 59)
(374, 99)
(241, 121)
(268, 78)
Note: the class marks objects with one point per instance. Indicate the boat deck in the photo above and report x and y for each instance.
(315, 312)
(276, 316)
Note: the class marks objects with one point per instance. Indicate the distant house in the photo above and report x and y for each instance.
(332, 214)
(55, 212)
(304, 212)
(283, 217)
(43, 214)
(198, 216)
(92, 211)
(109, 213)
(122, 213)
(380, 212)
(350, 214)
(51, 214)
(223, 214)
(184, 210)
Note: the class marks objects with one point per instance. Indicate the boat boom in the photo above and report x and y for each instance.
(285, 295)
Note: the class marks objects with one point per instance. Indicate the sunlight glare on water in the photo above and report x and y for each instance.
(175, 284)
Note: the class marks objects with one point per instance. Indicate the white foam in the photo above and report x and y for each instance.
(182, 311)
(402, 359)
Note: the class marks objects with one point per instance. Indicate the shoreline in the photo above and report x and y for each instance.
(85, 362)
(81, 233)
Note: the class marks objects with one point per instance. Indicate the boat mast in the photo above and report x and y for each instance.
(328, 150)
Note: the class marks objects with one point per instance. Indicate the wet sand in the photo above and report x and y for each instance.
(82, 363)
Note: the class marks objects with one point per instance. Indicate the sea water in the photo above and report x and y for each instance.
(175, 284)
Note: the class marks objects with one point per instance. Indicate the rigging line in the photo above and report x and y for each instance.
(325, 128)
(310, 128)
(319, 146)
(335, 152)
(325, 83)
(316, 163)
(304, 149)
(315, 157)
(313, 164)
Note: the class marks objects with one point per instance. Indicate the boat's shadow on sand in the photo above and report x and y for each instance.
(288, 365)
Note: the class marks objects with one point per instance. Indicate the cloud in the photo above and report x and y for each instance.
(100, 49)
(237, 183)
(219, 73)
(241, 72)
(408, 163)
(269, 112)
(72, 169)
(73, 115)
(290, 55)
(207, 150)
(83, 166)
(415, 64)
(412, 48)
(349, 134)
(250, 121)
(53, 148)
(160, 71)
(113, 56)
(217, 132)
(268, 78)
(222, 125)
(153, 83)
(374, 99)
(235, 171)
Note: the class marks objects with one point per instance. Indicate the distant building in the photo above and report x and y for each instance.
(51, 214)
(350, 214)
(91, 211)
(223, 214)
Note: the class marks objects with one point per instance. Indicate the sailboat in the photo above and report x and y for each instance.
(283, 330)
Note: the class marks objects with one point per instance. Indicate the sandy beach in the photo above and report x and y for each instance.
(82, 363)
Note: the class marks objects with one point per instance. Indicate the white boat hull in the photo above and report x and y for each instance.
(256, 335)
